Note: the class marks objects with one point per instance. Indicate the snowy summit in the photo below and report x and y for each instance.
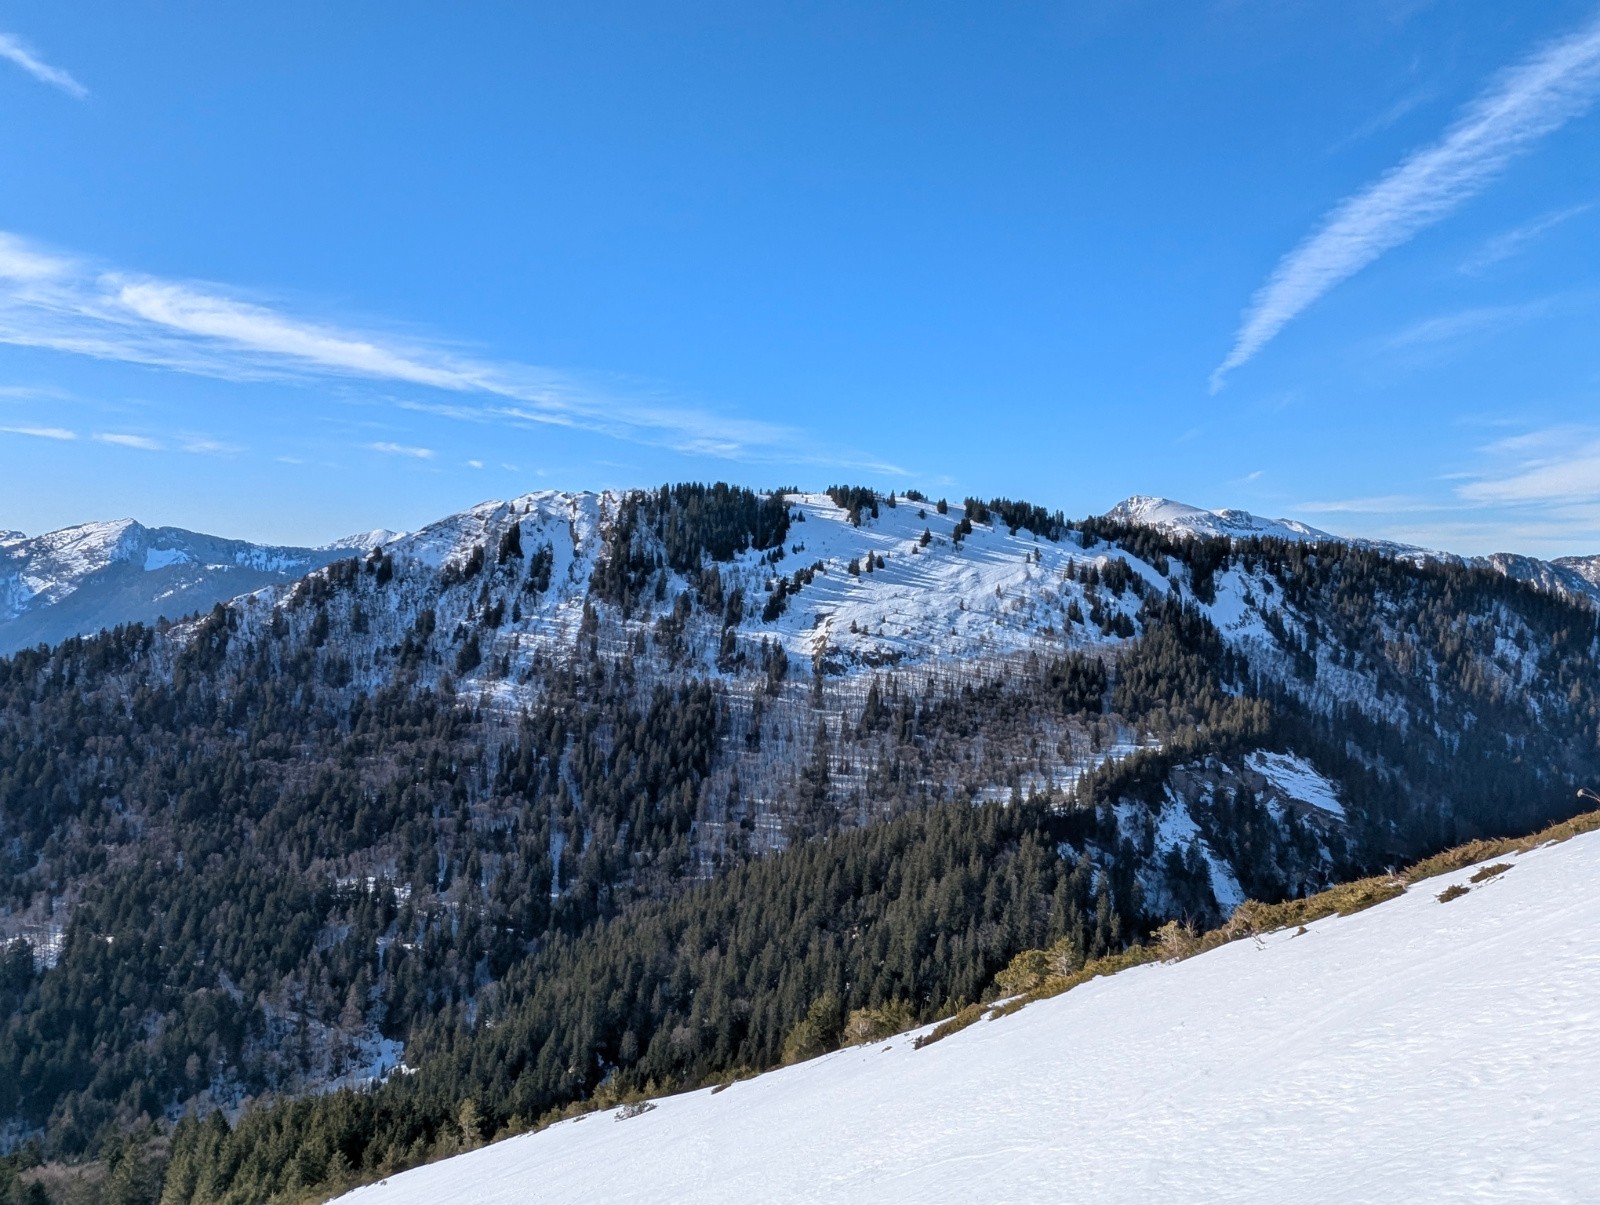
(1179, 517)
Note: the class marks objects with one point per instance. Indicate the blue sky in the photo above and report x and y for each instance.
(285, 271)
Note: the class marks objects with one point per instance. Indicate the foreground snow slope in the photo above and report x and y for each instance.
(1416, 1051)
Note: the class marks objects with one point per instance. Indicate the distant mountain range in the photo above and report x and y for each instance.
(97, 575)
(1575, 576)
(81, 579)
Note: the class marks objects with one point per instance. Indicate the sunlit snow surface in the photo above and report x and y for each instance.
(1417, 1051)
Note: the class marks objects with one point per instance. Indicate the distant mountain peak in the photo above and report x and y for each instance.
(365, 541)
(1147, 510)
(1571, 576)
(78, 579)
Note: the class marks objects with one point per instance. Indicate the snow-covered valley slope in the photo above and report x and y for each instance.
(1420, 1050)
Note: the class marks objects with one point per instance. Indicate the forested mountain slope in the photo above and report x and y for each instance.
(572, 793)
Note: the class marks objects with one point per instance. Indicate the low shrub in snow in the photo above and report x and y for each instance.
(874, 1024)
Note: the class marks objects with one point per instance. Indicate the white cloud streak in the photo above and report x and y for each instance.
(20, 53)
(1503, 246)
(1479, 320)
(64, 303)
(204, 445)
(60, 433)
(1525, 103)
(1557, 465)
(1406, 104)
(122, 440)
(1387, 504)
(33, 392)
(392, 449)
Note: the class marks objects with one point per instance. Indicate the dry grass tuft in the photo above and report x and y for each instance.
(1482, 851)
(955, 1024)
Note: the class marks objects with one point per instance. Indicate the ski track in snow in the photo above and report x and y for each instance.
(1415, 1051)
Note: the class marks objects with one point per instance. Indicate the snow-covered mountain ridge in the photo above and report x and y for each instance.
(1573, 576)
(905, 587)
(79, 579)
(1149, 511)
(910, 600)
(864, 594)
(1427, 1048)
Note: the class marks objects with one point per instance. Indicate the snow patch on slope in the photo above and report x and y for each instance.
(161, 558)
(1297, 779)
(1175, 829)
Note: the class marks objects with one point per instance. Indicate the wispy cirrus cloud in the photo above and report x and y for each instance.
(68, 304)
(197, 445)
(33, 393)
(24, 56)
(204, 445)
(1400, 108)
(1535, 492)
(1382, 504)
(1503, 246)
(393, 449)
(1524, 103)
(1553, 465)
(1474, 321)
(122, 439)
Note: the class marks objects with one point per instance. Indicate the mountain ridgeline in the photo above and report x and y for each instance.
(98, 575)
(575, 796)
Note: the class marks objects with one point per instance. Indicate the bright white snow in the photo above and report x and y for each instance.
(1418, 1051)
